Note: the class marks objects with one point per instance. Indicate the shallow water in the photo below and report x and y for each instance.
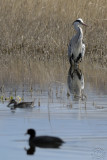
(70, 104)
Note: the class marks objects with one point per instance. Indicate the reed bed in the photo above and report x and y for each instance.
(22, 72)
(22, 77)
(44, 27)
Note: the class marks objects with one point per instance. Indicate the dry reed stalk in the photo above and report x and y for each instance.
(44, 27)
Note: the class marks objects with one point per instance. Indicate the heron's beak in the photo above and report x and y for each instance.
(84, 24)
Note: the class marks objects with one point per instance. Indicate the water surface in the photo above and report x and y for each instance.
(70, 104)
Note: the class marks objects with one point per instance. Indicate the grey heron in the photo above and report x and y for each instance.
(76, 48)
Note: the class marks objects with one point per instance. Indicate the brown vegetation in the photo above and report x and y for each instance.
(36, 27)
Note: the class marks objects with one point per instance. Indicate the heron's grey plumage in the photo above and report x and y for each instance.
(76, 48)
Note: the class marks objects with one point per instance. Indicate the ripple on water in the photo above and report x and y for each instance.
(73, 108)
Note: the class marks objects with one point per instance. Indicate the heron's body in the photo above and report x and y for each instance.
(76, 48)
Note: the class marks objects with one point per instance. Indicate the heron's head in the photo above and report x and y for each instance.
(79, 21)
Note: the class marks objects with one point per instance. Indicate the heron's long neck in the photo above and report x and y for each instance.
(79, 34)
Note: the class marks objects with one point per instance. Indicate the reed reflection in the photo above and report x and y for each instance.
(76, 83)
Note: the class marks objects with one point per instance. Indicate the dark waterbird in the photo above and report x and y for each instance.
(20, 105)
(42, 141)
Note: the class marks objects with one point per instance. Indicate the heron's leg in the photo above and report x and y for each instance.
(72, 71)
(71, 59)
(79, 74)
(79, 58)
(72, 56)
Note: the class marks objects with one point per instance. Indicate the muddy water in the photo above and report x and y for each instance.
(69, 103)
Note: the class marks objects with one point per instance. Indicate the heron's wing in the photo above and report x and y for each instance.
(70, 48)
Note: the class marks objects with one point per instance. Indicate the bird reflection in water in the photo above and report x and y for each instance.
(41, 142)
(76, 83)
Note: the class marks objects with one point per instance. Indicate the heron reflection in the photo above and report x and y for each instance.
(76, 83)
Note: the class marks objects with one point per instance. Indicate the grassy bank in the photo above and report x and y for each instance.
(44, 27)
